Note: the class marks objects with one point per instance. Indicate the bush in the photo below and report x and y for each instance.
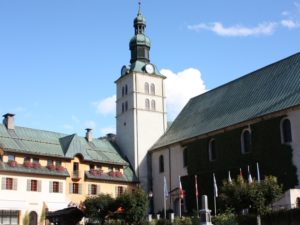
(227, 218)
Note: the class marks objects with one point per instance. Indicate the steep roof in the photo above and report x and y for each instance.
(53, 144)
(267, 90)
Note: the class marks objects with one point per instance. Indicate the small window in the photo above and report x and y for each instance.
(123, 91)
(286, 131)
(126, 106)
(11, 158)
(147, 104)
(212, 150)
(185, 159)
(153, 107)
(92, 189)
(161, 164)
(9, 217)
(55, 187)
(246, 141)
(58, 163)
(27, 159)
(50, 162)
(75, 188)
(152, 89)
(8, 183)
(126, 89)
(146, 88)
(35, 160)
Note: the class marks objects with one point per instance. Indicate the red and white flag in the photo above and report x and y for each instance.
(181, 192)
(196, 186)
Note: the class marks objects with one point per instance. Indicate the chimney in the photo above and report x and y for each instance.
(8, 121)
(89, 135)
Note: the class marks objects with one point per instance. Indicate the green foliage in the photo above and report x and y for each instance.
(97, 208)
(258, 197)
(266, 149)
(183, 221)
(134, 205)
(227, 218)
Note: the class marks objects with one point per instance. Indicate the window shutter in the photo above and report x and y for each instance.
(60, 187)
(116, 191)
(79, 188)
(89, 189)
(98, 189)
(15, 184)
(3, 183)
(51, 186)
(28, 185)
(39, 186)
(71, 188)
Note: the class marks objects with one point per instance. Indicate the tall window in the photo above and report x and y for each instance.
(9, 183)
(9, 217)
(161, 164)
(246, 141)
(55, 187)
(93, 189)
(119, 190)
(185, 157)
(34, 185)
(147, 104)
(152, 89)
(146, 88)
(126, 106)
(153, 107)
(286, 131)
(212, 151)
(126, 89)
(75, 188)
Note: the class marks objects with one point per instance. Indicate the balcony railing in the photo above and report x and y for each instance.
(76, 174)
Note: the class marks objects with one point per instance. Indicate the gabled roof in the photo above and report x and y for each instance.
(53, 144)
(270, 89)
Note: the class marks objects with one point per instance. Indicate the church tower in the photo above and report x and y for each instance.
(140, 111)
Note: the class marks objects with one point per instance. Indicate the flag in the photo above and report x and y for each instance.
(241, 173)
(215, 186)
(258, 174)
(249, 176)
(166, 193)
(196, 186)
(181, 193)
(229, 178)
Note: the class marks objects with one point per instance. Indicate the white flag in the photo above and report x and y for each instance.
(215, 186)
(249, 176)
(166, 193)
(229, 178)
(258, 173)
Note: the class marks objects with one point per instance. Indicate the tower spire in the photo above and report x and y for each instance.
(139, 44)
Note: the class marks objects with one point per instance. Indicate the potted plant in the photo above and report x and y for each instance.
(51, 167)
(12, 163)
(28, 164)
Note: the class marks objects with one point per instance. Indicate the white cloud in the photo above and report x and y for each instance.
(106, 106)
(237, 30)
(180, 87)
(90, 124)
(107, 130)
(289, 23)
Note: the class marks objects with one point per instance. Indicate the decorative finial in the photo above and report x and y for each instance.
(139, 12)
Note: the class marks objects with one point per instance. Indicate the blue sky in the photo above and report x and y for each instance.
(59, 59)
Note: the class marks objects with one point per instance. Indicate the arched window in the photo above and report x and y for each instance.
(161, 164)
(153, 107)
(185, 157)
(147, 104)
(212, 151)
(146, 88)
(246, 141)
(286, 131)
(126, 89)
(152, 89)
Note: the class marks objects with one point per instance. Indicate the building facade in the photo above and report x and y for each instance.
(46, 171)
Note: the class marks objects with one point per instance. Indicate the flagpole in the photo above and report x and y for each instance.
(196, 192)
(165, 197)
(180, 190)
(215, 205)
(215, 193)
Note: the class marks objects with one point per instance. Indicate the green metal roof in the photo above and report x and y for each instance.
(270, 89)
(39, 142)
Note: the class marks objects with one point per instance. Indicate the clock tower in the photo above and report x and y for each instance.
(140, 111)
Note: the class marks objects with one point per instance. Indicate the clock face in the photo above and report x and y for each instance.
(123, 70)
(149, 68)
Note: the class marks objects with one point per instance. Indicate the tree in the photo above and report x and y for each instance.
(98, 208)
(256, 197)
(133, 206)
